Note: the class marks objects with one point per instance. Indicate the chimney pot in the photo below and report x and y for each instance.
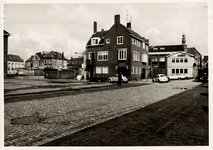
(129, 25)
(117, 19)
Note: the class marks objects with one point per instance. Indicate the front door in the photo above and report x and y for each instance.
(123, 70)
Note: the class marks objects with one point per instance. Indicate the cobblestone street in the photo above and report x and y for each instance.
(62, 116)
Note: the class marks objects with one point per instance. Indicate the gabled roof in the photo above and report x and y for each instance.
(50, 55)
(134, 33)
(99, 34)
(15, 58)
(179, 53)
(192, 50)
(30, 59)
(6, 33)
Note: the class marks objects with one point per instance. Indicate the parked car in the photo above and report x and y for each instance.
(115, 78)
(187, 76)
(97, 79)
(161, 78)
(177, 77)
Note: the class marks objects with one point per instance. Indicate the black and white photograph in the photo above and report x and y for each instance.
(106, 74)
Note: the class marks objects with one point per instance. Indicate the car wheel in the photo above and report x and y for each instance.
(178, 78)
(158, 80)
(109, 80)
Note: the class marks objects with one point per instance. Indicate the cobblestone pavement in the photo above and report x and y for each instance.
(65, 115)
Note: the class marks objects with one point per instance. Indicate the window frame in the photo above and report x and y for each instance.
(132, 69)
(120, 40)
(124, 54)
(102, 53)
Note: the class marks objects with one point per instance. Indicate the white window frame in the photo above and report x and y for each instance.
(98, 70)
(174, 60)
(120, 40)
(144, 45)
(102, 54)
(95, 41)
(136, 70)
(102, 70)
(124, 54)
(144, 57)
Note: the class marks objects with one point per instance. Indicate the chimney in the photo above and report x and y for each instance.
(95, 26)
(117, 19)
(129, 25)
(102, 30)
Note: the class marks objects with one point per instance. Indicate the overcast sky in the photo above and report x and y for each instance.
(67, 27)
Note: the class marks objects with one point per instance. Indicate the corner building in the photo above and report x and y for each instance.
(118, 49)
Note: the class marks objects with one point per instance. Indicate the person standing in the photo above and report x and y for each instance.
(119, 78)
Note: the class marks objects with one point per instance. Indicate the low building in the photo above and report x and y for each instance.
(42, 60)
(14, 64)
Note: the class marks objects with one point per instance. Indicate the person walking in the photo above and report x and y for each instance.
(119, 78)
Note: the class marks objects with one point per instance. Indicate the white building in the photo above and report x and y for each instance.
(14, 64)
(181, 63)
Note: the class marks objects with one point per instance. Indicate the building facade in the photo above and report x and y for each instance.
(174, 59)
(6, 35)
(116, 50)
(42, 60)
(15, 63)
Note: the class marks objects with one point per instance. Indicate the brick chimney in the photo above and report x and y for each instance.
(95, 27)
(117, 19)
(129, 25)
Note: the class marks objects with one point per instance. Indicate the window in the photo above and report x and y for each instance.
(105, 70)
(108, 41)
(177, 60)
(185, 70)
(147, 47)
(95, 41)
(136, 56)
(161, 59)
(139, 70)
(177, 70)
(136, 70)
(139, 44)
(132, 70)
(181, 60)
(181, 70)
(162, 48)
(173, 60)
(133, 41)
(122, 54)
(102, 55)
(46, 61)
(186, 60)
(144, 57)
(173, 70)
(155, 48)
(98, 70)
(154, 59)
(120, 40)
(143, 45)
(90, 55)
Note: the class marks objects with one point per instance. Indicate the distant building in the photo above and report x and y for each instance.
(174, 59)
(75, 63)
(119, 49)
(6, 35)
(42, 60)
(14, 64)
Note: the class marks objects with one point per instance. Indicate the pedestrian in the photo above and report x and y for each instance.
(119, 78)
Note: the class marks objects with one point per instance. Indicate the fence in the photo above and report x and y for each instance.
(64, 74)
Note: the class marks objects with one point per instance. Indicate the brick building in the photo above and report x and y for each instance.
(118, 49)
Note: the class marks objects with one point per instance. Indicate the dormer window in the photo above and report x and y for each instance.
(95, 41)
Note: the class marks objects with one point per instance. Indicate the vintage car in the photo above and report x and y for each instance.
(161, 78)
(115, 78)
